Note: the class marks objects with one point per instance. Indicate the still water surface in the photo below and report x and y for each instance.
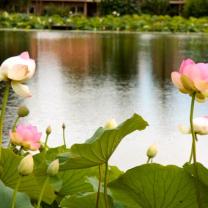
(83, 79)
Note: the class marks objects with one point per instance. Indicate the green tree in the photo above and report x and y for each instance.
(121, 6)
(155, 6)
(196, 8)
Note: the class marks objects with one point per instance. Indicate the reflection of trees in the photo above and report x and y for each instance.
(120, 52)
(197, 48)
(95, 54)
(13, 43)
(165, 54)
(168, 52)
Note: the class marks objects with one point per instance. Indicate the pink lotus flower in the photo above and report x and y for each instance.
(26, 136)
(192, 77)
(18, 69)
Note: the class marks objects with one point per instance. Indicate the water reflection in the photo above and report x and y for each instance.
(83, 79)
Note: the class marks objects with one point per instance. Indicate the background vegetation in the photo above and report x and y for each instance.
(140, 23)
(194, 8)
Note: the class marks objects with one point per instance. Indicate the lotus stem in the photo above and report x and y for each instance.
(3, 111)
(64, 137)
(105, 185)
(42, 191)
(46, 140)
(99, 186)
(191, 155)
(148, 160)
(15, 123)
(14, 128)
(194, 139)
(15, 192)
(192, 129)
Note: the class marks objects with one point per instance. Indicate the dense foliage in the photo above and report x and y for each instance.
(155, 6)
(195, 8)
(143, 23)
(81, 181)
(120, 6)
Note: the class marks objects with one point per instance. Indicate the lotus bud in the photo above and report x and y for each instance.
(23, 111)
(26, 165)
(152, 151)
(111, 124)
(48, 130)
(53, 168)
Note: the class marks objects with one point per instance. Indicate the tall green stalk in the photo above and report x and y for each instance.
(46, 140)
(42, 191)
(192, 129)
(194, 139)
(3, 111)
(99, 186)
(64, 137)
(105, 185)
(148, 160)
(15, 192)
(15, 123)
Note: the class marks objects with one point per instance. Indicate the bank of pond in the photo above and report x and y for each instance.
(140, 23)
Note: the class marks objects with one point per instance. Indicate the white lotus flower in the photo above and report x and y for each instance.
(200, 126)
(18, 69)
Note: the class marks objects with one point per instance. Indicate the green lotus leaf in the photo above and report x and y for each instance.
(156, 186)
(31, 184)
(84, 180)
(99, 148)
(87, 200)
(202, 172)
(6, 193)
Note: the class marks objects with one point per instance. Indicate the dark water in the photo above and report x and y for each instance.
(83, 79)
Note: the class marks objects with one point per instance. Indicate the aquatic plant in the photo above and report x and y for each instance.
(112, 22)
(80, 176)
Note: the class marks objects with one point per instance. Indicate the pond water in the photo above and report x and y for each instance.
(84, 79)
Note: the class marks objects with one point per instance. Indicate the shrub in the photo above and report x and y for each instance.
(196, 8)
(155, 6)
(120, 6)
(57, 10)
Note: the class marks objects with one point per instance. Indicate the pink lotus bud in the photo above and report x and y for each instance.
(53, 168)
(18, 69)
(26, 165)
(111, 124)
(192, 77)
(26, 136)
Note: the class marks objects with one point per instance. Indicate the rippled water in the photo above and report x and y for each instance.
(83, 79)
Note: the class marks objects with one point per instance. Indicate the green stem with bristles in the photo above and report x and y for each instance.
(106, 185)
(194, 138)
(15, 192)
(42, 191)
(3, 112)
(99, 186)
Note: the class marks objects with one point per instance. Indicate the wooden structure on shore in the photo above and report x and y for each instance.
(86, 7)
